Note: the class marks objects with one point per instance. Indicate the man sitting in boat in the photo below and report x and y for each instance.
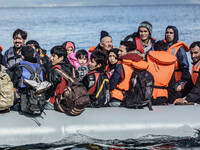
(120, 79)
(179, 50)
(58, 60)
(105, 43)
(12, 56)
(192, 87)
(162, 67)
(143, 37)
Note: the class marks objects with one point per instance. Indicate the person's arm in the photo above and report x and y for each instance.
(184, 68)
(194, 94)
(116, 77)
(183, 64)
(17, 76)
(54, 78)
(5, 57)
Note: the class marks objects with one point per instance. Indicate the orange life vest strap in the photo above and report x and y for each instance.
(195, 72)
(93, 88)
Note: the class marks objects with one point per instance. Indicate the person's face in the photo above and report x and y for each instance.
(106, 43)
(82, 61)
(18, 41)
(169, 35)
(195, 54)
(112, 58)
(122, 50)
(144, 33)
(55, 60)
(93, 65)
(69, 51)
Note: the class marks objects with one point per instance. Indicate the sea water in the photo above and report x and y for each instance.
(52, 26)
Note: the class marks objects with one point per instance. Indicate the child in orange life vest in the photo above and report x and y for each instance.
(112, 61)
(93, 80)
(69, 46)
(80, 61)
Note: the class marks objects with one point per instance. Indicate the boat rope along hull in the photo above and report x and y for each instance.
(101, 123)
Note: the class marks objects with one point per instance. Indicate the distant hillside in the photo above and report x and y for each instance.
(51, 3)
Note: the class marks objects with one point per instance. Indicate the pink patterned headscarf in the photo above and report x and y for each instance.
(70, 44)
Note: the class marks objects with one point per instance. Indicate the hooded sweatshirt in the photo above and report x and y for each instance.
(181, 57)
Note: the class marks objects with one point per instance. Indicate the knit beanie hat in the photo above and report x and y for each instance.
(104, 34)
(147, 25)
(114, 50)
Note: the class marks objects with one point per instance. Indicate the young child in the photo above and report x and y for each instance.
(80, 61)
(69, 46)
(112, 61)
(96, 81)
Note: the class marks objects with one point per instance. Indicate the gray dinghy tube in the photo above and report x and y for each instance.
(100, 123)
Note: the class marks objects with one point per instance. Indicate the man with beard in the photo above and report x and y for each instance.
(12, 56)
(178, 49)
(192, 87)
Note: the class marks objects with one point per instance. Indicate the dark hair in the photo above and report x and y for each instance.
(100, 58)
(160, 46)
(174, 28)
(130, 45)
(21, 32)
(59, 51)
(196, 43)
(27, 52)
(35, 43)
(81, 53)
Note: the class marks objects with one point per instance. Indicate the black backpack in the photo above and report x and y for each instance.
(100, 92)
(141, 88)
(32, 102)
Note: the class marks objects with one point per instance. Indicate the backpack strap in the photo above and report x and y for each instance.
(30, 69)
(92, 89)
(64, 75)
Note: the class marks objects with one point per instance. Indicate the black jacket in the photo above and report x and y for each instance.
(55, 78)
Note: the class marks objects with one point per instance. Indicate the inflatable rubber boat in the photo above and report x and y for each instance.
(99, 123)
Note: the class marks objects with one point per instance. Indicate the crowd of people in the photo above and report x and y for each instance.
(107, 68)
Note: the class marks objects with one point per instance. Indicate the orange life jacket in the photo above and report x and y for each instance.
(195, 72)
(92, 49)
(123, 86)
(161, 66)
(139, 45)
(60, 87)
(173, 50)
(1, 48)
